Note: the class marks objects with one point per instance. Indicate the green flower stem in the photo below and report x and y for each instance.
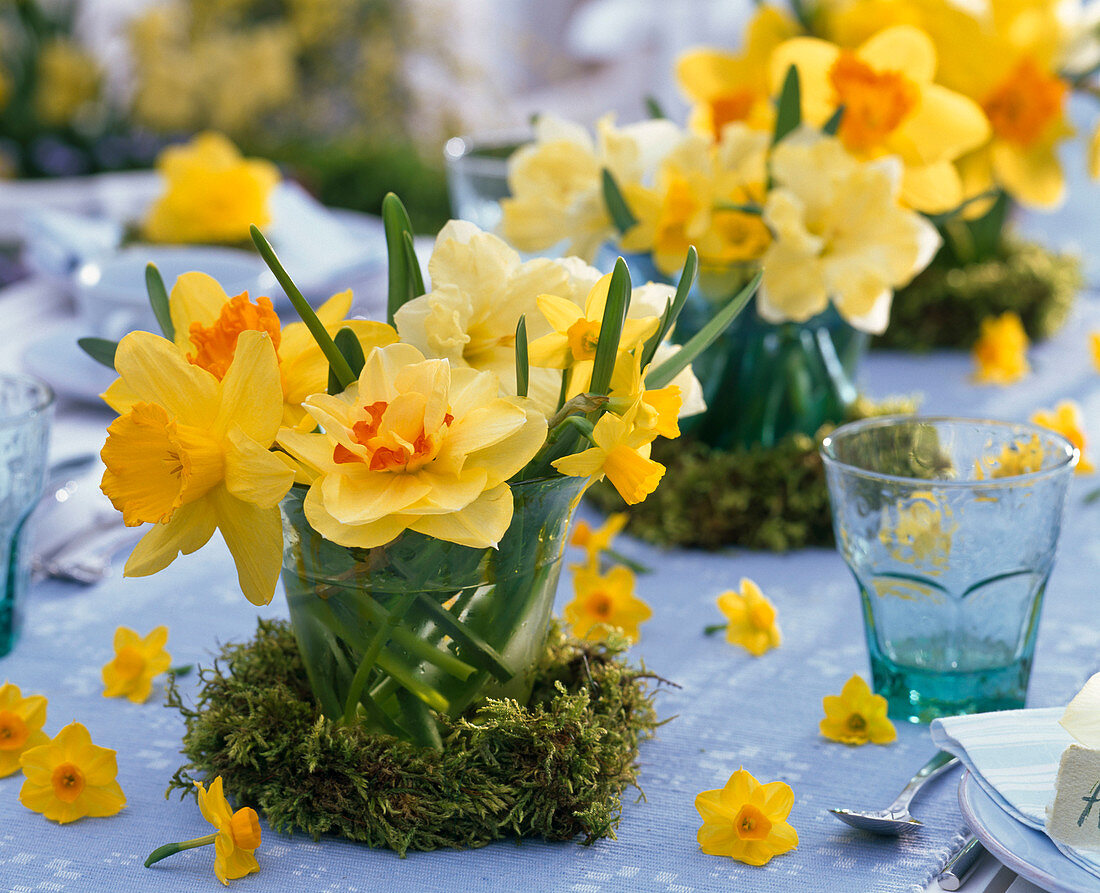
(170, 849)
(336, 360)
(713, 628)
(416, 645)
(630, 563)
(181, 670)
(371, 655)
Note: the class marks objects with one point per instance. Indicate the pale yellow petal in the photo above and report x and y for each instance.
(364, 536)
(189, 529)
(933, 189)
(813, 58)
(480, 525)
(196, 297)
(255, 539)
(253, 473)
(153, 369)
(904, 49)
(944, 126)
(371, 496)
(1033, 176)
(251, 392)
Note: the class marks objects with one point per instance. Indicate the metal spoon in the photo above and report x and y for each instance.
(895, 818)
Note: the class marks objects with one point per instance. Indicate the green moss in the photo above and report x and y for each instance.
(944, 305)
(556, 768)
(771, 498)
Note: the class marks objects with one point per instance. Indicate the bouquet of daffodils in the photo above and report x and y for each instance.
(399, 449)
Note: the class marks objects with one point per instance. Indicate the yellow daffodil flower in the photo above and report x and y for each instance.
(556, 182)
(621, 453)
(1066, 419)
(1094, 349)
(1001, 350)
(891, 107)
(238, 833)
(597, 541)
(1021, 457)
(208, 322)
(602, 602)
(69, 777)
(747, 820)
(699, 186)
(67, 78)
(415, 444)
(212, 193)
(857, 715)
(1094, 154)
(572, 343)
(840, 234)
(725, 87)
(235, 841)
(137, 661)
(751, 619)
(190, 454)
(21, 721)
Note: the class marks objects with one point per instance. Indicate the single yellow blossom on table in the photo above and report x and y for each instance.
(841, 235)
(190, 454)
(597, 541)
(857, 715)
(415, 444)
(892, 106)
(69, 777)
(747, 820)
(1001, 350)
(212, 193)
(235, 841)
(21, 721)
(1094, 347)
(621, 454)
(603, 602)
(751, 619)
(137, 661)
(1066, 419)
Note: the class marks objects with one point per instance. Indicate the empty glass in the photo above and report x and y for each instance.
(950, 527)
(26, 406)
(477, 174)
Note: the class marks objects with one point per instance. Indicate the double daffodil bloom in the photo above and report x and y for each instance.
(415, 444)
(189, 454)
(841, 234)
(892, 106)
(725, 87)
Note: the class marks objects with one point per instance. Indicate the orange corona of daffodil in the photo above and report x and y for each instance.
(70, 777)
(1066, 419)
(603, 602)
(415, 444)
(1000, 352)
(725, 87)
(621, 453)
(751, 619)
(238, 833)
(747, 820)
(137, 661)
(857, 715)
(189, 454)
(212, 193)
(21, 721)
(892, 106)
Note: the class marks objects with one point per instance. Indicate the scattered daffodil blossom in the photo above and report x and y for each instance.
(892, 106)
(751, 619)
(857, 715)
(1000, 352)
(238, 833)
(603, 602)
(69, 777)
(1094, 349)
(208, 322)
(746, 820)
(597, 541)
(621, 453)
(137, 661)
(415, 444)
(1066, 419)
(841, 235)
(212, 193)
(21, 721)
(189, 453)
(1082, 715)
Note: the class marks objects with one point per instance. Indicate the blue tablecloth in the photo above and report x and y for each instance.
(732, 710)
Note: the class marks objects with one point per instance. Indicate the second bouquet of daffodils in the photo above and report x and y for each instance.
(414, 481)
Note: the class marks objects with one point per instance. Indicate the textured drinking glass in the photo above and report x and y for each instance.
(950, 527)
(477, 175)
(26, 406)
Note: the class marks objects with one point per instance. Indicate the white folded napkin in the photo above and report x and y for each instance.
(1014, 756)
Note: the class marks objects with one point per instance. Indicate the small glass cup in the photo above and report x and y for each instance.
(26, 408)
(950, 527)
(477, 174)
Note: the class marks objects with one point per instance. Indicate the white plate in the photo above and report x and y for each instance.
(1030, 853)
(58, 360)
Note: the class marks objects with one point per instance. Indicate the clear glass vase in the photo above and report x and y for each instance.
(391, 635)
(763, 381)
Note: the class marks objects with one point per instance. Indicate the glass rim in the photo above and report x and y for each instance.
(1069, 460)
(45, 394)
(462, 149)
